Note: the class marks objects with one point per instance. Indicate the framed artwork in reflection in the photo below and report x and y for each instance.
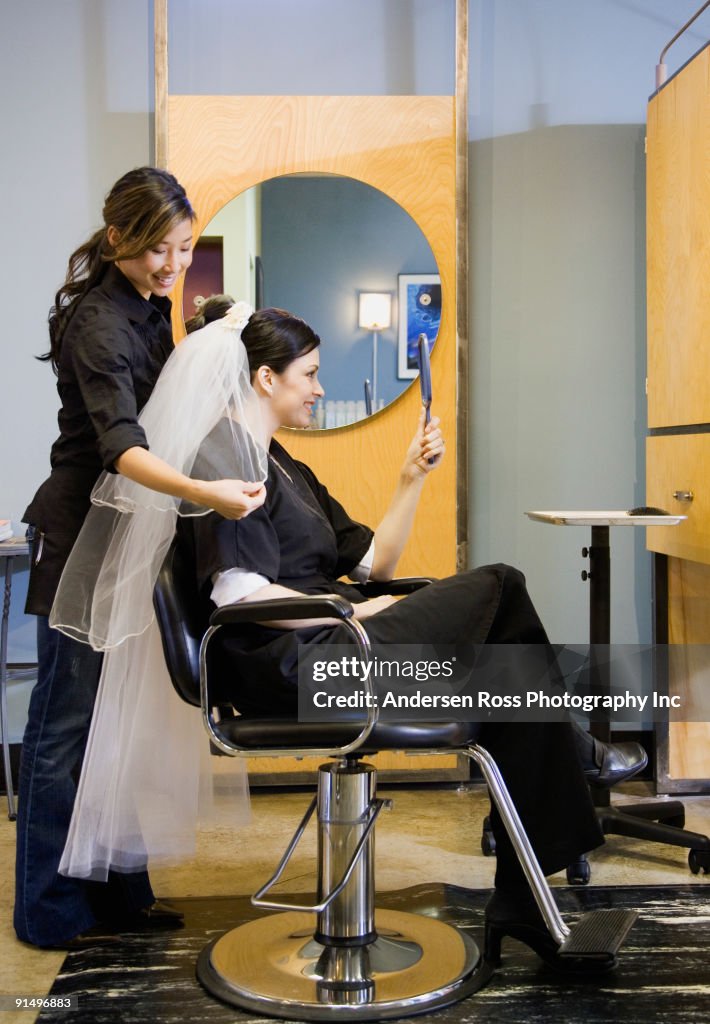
(419, 313)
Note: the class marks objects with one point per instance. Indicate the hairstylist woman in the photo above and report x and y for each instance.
(110, 336)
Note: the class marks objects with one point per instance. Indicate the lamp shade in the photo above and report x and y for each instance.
(375, 311)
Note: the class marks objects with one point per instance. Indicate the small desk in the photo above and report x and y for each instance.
(658, 821)
(599, 576)
(9, 549)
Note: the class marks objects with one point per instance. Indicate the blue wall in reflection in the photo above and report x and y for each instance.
(324, 240)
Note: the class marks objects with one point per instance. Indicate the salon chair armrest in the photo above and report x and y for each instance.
(397, 587)
(309, 606)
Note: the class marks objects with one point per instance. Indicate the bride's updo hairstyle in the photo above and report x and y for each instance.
(274, 338)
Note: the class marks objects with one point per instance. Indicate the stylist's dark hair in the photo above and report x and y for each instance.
(144, 206)
(274, 337)
(213, 308)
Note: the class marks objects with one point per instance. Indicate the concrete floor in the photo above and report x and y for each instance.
(431, 835)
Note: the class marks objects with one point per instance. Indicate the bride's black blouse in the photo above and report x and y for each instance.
(301, 538)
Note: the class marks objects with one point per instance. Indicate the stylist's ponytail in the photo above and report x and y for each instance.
(85, 270)
(144, 206)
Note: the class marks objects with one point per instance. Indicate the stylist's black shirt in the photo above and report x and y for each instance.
(113, 349)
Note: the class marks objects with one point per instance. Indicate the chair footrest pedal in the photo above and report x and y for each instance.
(598, 933)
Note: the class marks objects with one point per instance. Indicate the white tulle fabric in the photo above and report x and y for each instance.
(147, 777)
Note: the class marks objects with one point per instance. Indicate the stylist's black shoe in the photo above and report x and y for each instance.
(614, 763)
(516, 914)
(159, 916)
(98, 935)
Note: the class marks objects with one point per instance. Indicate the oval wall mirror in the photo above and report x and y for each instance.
(346, 258)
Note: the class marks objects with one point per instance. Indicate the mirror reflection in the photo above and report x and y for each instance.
(346, 258)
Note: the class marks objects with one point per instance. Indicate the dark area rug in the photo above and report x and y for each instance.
(663, 973)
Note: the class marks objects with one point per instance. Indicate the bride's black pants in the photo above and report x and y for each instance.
(538, 760)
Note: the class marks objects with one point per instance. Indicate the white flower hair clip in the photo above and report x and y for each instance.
(238, 315)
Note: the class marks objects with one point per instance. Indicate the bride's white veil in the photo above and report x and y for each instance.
(147, 776)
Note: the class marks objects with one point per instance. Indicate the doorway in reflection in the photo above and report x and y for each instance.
(312, 244)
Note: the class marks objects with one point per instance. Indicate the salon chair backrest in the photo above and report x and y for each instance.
(183, 617)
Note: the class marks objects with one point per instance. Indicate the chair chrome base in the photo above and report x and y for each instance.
(274, 966)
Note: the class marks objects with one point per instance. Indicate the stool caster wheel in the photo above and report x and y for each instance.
(579, 872)
(699, 861)
(488, 840)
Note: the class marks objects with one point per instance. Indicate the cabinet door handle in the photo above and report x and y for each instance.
(683, 495)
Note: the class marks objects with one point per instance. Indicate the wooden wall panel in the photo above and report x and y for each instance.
(689, 625)
(405, 146)
(160, 41)
(678, 248)
(678, 300)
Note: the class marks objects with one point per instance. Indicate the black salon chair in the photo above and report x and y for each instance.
(348, 961)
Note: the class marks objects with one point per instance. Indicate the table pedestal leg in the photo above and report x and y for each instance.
(600, 633)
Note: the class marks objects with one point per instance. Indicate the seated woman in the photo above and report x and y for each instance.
(303, 541)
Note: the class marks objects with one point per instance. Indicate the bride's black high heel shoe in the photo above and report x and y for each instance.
(516, 914)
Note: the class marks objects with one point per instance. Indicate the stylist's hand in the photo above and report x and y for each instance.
(234, 499)
(364, 609)
(427, 443)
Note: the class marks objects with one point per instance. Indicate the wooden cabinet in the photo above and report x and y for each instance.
(678, 248)
(678, 480)
(683, 748)
(678, 448)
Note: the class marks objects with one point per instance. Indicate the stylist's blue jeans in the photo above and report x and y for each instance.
(50, 908)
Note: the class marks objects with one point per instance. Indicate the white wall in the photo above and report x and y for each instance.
(330, 47)
(552, 62)
(76, 80)
(558, 361)
(557, 111)
(238, 225)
